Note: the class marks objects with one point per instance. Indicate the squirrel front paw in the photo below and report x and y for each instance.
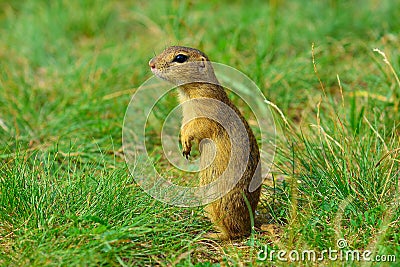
(186, 145)
(186, 138)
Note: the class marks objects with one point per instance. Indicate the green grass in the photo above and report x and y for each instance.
(69, 68)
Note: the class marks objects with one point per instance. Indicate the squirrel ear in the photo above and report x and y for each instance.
(203, 62)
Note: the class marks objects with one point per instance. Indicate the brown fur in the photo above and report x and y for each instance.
(229, 213)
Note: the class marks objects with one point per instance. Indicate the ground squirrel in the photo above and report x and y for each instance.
(191, 70)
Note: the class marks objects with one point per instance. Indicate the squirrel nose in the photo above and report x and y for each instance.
(152, 64)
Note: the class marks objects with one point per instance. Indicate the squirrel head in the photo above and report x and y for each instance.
(182, 65)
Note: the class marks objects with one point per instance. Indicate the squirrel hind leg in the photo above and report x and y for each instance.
(233, 223)
(236, 223)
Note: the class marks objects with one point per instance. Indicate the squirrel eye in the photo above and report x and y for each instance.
(180, 58)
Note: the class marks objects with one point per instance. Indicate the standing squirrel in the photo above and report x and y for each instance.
(191, 70)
